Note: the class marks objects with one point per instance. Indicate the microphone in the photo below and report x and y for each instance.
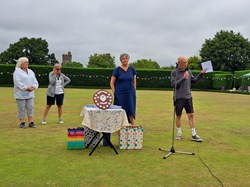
(58, 76)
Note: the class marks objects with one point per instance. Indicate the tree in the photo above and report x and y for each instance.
(194, 62)
(101, 61)
(171, 67)
(227, 51)
(73, 64)
(52, 59)
(145, 64)
(36, 49)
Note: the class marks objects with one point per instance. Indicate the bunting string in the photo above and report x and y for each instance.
(138, 77)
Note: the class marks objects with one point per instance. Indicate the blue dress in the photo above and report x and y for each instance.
(124, 90)
(124, 93)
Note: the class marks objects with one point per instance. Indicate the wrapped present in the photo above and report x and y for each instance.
(138, 137)
(75, 145)
(75, 138)
(88, 135)
(131, 138)
(123, 138)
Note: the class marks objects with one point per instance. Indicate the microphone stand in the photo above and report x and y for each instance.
(172, 150)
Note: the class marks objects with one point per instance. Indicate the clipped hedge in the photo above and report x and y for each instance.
(222, 81)
(238, 77)
(246, 80)
(100, 77)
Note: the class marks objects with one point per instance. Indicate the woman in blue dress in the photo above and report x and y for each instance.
(123, 85)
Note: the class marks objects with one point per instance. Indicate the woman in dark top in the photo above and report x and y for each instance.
(123, 85)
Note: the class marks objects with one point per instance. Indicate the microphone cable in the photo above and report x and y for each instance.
(208, 167)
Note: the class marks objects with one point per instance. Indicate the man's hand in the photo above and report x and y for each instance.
(185, 76)
(204, 71)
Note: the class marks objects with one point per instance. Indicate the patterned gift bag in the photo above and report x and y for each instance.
(88, 135)
(131, 138)
(123, 138)
(139, 137)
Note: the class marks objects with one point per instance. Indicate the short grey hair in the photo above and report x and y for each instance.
(56, 66)
(124, 54)
(21, 61)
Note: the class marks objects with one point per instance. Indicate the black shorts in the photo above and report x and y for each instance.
(184, 103)
(58, 98)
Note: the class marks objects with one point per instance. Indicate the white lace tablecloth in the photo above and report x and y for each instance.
(109, 120)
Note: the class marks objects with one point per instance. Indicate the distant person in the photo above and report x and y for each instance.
(25, 83)
(55, 92)
(181, 79)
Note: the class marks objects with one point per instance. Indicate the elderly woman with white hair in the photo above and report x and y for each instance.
(25, 83)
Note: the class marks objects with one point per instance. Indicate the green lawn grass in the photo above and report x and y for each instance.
(39, 157)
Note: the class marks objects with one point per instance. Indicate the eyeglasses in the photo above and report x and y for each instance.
(58, 69)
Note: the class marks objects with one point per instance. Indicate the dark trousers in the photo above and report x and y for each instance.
(105, 142)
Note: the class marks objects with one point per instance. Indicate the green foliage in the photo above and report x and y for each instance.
(238, 77)
(153, 78)
(6, 77)
(222, 81)
(194, 62)
(36, 49)
(246, 80)
(101, 61)
(168, 67)
(52, 59)
(145, 64)
(228, 51)
(205, 83)
(73, 64)
(100, 77)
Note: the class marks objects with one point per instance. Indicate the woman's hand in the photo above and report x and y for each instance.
(55, 72)
(30, 88)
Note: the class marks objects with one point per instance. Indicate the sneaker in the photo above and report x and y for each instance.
(22, 125)
(32, 125)
(179, 136)
(196, 138)
(44, 122)
(60, 121)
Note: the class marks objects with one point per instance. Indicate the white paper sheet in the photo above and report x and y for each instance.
(207, 66)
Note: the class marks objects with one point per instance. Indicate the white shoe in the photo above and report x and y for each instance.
(179, 136)
(44, 122)
(60, 121)
(196, 138)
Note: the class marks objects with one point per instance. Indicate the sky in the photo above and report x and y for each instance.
(160, 30)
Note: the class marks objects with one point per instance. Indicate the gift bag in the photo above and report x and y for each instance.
(131, 138)
(88, 135)
(138, 137)
(75, 138)
(123, 138)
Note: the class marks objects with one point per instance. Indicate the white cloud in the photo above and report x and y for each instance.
(160, 30)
